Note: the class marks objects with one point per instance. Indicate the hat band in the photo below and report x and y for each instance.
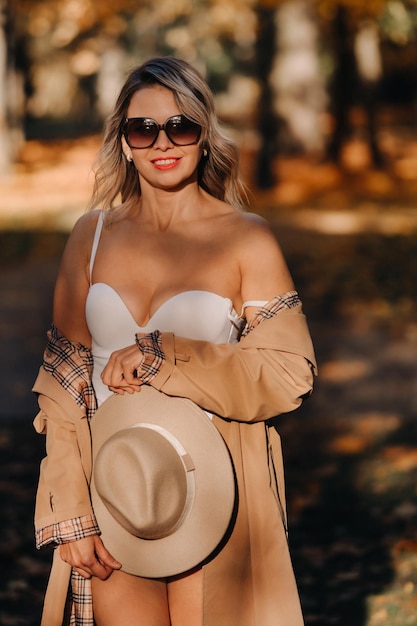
(188, 466)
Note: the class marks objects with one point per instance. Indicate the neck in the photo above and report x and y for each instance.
(163, 209)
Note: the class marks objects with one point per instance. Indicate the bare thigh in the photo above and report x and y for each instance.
(126, 600)
(185, 599)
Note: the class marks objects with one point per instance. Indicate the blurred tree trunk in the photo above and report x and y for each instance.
(4, 133)
(358, 71)
(299, 90)
(293, 95)
(12, 98)
(369, 64)
(268, 123)
(343, 83)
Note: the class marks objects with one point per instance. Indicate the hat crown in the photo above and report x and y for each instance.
(142, 479)
(198, 452)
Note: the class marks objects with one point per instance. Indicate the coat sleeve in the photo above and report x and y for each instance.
(63, 489)
(269, 372)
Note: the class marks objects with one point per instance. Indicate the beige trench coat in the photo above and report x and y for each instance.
(250, 582)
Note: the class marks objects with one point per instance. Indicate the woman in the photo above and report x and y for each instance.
(158, 283)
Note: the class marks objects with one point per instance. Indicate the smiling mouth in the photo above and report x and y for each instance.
(165, 162)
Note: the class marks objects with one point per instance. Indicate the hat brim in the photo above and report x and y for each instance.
(215, 491)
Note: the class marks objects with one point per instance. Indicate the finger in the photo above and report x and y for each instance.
(122, 376)
(130, 370)
(82, 572)
(134, 385)
(122, 390)
(125, 386)
(107, 559)
(99, 570)
(118, 390)
(94, 567)
(112, 376)
(121, 363)
(109, 367)
(112, 372)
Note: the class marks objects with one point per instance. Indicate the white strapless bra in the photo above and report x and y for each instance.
(195, 314)
(192, 314)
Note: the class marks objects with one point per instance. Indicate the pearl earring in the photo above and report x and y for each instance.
(205, 153)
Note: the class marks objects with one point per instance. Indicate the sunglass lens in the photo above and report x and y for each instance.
(182, 131)
(141, 133)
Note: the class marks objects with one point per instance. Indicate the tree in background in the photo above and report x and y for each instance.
(278, 67)
(4, 136)
(267, 119)
(79, 52)
(357, 68)
(11, 89)
(293, 96)
(326, 58)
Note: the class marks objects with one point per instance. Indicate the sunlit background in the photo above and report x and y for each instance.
(321, 97)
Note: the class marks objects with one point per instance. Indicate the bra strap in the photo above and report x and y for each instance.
(96, 240)
(257, 303)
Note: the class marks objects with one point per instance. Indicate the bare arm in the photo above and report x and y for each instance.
(73, 282)
(88, 556)
(264, 272)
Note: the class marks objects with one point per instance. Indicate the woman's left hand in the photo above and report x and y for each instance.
(130, 368)
(121, 372)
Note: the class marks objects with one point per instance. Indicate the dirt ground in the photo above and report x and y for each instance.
(351, 458)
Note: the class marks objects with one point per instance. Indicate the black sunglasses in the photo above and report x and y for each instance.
(142, 132)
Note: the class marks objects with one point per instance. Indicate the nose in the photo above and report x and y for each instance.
(162, 141)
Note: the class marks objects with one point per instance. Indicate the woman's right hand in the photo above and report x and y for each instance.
(89, 557)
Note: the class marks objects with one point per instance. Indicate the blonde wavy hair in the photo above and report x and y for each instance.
(117, 186)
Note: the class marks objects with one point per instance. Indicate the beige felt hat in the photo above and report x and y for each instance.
(163, 486)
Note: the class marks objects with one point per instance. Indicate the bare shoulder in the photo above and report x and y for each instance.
(82, 234)
(264, 270)
(78, 248)
(253, 233)
(73, 280)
